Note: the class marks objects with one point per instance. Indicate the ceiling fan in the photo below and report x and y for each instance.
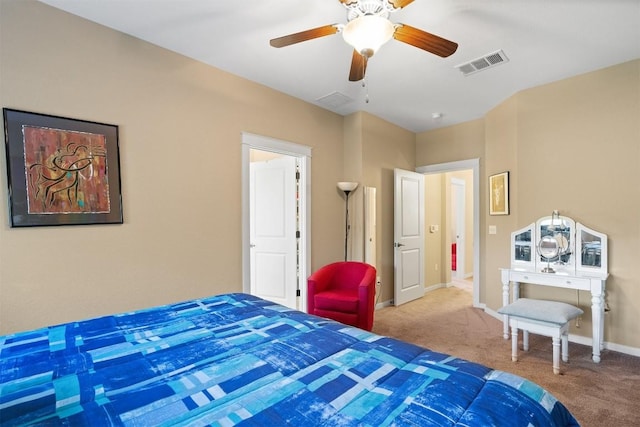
(367, 29)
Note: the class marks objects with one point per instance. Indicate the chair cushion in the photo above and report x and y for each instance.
(346, 318)
(542, 310)
(346, 302)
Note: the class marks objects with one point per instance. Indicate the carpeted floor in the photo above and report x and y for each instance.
(604, 394)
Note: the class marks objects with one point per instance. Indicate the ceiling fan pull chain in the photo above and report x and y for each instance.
(366, 88)
(364, 84)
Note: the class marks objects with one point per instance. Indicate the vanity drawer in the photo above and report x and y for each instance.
(550, 279)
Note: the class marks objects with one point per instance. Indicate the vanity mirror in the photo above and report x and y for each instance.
(523, 247)
(561, 230)
(592, 247)
(548, 249)
(557, 244)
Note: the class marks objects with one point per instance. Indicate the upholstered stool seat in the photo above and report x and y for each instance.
(548, 318)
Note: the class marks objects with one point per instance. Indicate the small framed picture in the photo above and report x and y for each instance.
(61, 171)
(499, 194)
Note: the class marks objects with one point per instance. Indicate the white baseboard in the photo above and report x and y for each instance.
(461, 284)
(384, 304)
(633, 351)
(493, 313)
(434, 287)
(388, 303)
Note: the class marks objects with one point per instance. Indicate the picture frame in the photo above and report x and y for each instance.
(61, 171)
(499, 194)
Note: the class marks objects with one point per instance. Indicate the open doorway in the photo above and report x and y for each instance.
(444, 230)
(460, 215)
(275, 219)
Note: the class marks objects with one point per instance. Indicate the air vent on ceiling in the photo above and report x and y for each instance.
(334, 100)
(483, 63)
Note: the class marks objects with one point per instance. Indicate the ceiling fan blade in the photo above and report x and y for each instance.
(302, 36)
(358, 66)
(425, 41)
(399, 4)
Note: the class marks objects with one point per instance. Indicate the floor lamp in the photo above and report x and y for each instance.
(347, 187)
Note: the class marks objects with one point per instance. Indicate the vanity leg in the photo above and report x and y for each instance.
(505, 302)
(602, 304)
(597, 307)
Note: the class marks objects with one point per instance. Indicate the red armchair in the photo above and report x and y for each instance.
(343, 291)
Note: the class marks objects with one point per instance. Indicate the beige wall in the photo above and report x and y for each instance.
(574, 146)
(501, 145)
(382, 147)
(435, 191)
(588, 128)
(438, 212)
(451, 144)
(180, 125)
(467, 177)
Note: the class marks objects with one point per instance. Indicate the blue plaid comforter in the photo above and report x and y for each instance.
(239, 360)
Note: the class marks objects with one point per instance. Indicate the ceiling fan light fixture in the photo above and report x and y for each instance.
(367, 33)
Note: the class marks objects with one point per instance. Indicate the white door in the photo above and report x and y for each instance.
(458, 211)
(273, 230)
(408, 236)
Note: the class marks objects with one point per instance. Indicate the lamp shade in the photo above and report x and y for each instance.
(367, 33)
(347, 186)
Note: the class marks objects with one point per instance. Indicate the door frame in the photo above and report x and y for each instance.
(251, 141)
(458, 189)
(474, 165)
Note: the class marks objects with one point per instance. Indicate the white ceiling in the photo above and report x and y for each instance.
(544, 40)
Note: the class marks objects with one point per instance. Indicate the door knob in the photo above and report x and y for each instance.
(397, 245)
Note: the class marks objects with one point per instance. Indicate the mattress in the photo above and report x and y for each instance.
(236, 359)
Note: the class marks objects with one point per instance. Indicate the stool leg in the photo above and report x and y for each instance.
(565, 347)
(525, 340)
(514, 344)
(556, 355)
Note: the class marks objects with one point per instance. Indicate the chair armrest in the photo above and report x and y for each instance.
(319, 281)
(367, 295)
(367, 280)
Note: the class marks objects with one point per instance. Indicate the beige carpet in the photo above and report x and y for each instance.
(604, 394)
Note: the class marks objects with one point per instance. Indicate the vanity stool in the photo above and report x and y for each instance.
(548, 318)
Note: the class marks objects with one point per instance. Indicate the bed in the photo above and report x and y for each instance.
(236, 359)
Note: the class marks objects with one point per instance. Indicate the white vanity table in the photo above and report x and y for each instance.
(579, 262)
